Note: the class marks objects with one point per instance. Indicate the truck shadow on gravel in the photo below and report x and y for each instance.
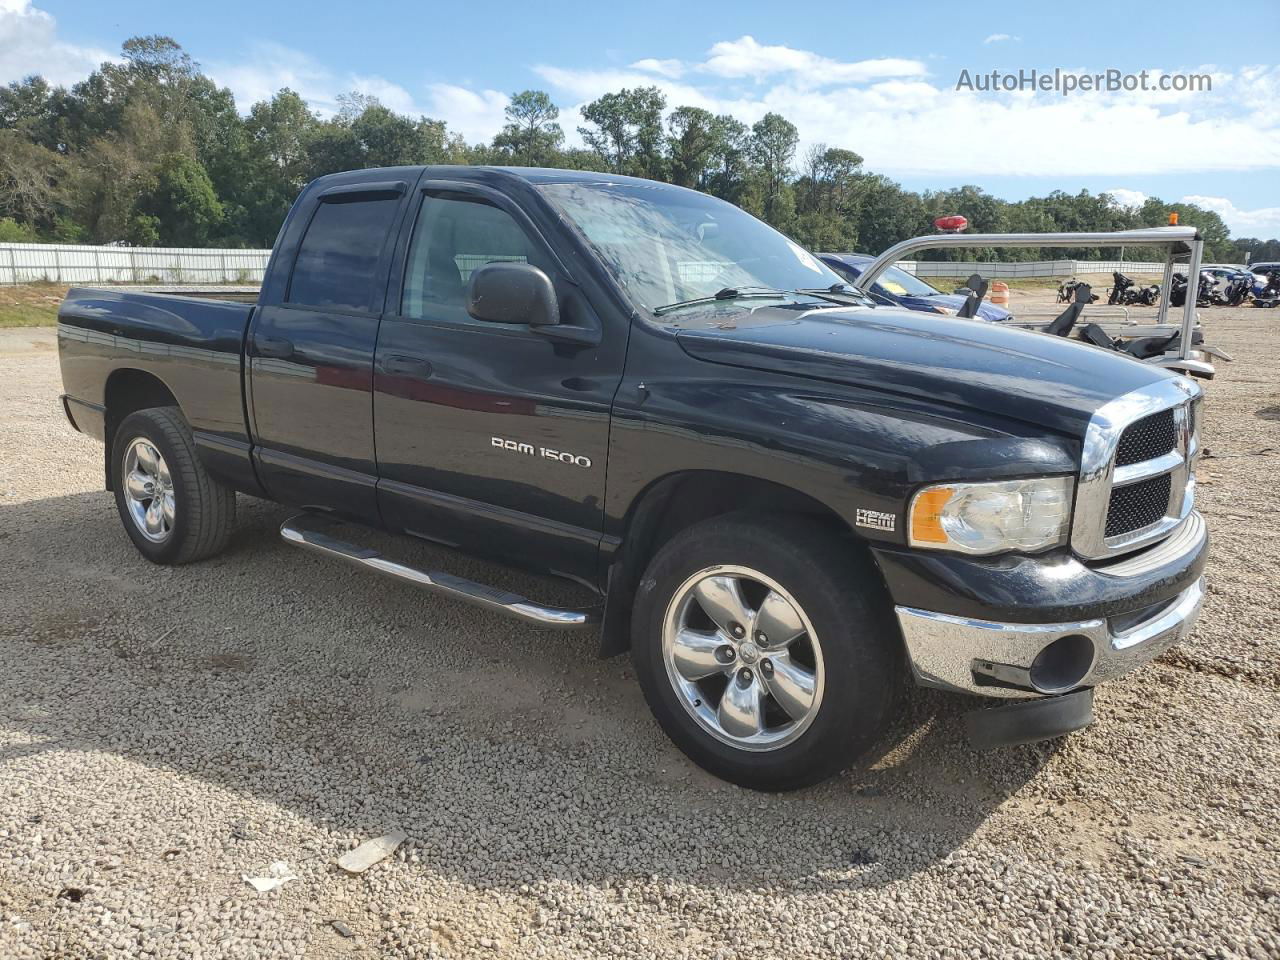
(510, 756)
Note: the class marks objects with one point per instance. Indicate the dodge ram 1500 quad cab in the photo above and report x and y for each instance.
(786, 496)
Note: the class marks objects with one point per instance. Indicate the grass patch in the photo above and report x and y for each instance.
(30, 304)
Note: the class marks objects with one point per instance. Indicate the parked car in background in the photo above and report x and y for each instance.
(897, 288)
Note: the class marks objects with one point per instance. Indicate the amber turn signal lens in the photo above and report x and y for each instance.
(926, 515)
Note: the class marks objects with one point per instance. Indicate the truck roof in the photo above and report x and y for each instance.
(468, 172)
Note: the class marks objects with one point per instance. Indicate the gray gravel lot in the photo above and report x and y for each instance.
(165, 732)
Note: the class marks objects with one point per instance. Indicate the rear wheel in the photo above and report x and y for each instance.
(173, 511)
(765, 650)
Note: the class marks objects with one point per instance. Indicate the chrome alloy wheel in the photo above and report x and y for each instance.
(743, 658)
(148, 490)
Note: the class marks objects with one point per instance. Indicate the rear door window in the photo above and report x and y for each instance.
(338, 260)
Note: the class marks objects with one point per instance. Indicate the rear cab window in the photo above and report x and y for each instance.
(337, 263)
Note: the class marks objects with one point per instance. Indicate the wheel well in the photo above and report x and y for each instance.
(128, 391)
(679, 501)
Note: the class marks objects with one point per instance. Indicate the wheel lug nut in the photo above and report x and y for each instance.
(736, 629)
(766, 667)
(725, 654)
(762, 639)
(744, 676)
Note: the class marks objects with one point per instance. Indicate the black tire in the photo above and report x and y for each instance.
(204, 509)
(841, 593)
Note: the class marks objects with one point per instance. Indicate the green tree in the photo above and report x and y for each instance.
(1217, 238)
(626, 131)
(532, 136)
(773, 146)
(13, 232)
(729, 164)
(277, 134)
(691, 144)
(35, 111)
(30, 178)
(826, 199)
(887, 214)
(178, 203)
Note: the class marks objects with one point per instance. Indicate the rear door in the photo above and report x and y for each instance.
(311, 353)
(491, 436)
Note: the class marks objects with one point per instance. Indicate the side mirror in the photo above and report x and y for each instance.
(512, 293)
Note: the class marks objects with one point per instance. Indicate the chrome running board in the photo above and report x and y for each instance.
(318, 533)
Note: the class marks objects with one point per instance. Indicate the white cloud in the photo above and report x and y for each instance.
(29, 45)
(476, 115)
(1001, 38)
(270, 66)
(747, 58)
(1126, 197)
(672, 69)
(1262, 222)
(584, 85)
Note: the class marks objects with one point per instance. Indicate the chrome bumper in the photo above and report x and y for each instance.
(1004, 659)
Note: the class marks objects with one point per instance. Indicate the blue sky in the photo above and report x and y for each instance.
(877, 78)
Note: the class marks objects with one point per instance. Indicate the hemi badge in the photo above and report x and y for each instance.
(875, 519)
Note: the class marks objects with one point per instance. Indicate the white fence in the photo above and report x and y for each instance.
(58, 263)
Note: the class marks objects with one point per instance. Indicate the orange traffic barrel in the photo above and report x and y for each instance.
(1000, 293)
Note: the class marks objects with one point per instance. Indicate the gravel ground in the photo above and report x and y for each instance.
(166, 732)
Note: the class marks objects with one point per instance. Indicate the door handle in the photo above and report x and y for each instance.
(400, 366)
(277, 348)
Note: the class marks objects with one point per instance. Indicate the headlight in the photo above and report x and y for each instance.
(986, 518)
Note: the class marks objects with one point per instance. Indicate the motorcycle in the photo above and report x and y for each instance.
(1067, 290)
(1125, 294)
(1120, 288)
(1239, 288)
(1178, 290)
(1266, 290)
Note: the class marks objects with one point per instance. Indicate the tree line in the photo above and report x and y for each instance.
(150, 151)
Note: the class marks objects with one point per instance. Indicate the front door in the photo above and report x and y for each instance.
(490, 436)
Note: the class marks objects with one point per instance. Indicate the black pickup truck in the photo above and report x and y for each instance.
(786, 496)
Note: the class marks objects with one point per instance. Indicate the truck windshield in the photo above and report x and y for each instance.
(666, 245)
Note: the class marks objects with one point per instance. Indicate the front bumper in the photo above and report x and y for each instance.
(1024, 659)
(1043, 626)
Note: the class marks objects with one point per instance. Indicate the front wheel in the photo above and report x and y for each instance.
(172, 509)
(766, 650)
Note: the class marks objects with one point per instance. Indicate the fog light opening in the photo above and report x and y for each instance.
(1061, 665)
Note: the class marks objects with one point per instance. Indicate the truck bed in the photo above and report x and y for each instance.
(192, 345)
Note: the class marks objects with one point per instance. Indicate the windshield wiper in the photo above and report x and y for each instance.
(727, 293)
(837, 293)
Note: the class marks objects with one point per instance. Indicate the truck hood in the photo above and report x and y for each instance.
(1047, 381)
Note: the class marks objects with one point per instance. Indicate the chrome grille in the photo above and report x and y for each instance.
(1146, 439)
(1138, 505)
(1136, 485)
